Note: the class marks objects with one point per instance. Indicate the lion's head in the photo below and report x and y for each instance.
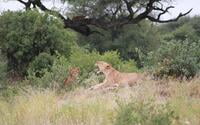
(75, 71)
(104, 67)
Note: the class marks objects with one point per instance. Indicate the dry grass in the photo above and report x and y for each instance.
(84, 107)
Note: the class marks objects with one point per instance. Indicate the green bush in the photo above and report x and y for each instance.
(125, 40)
(144, 113)
(185, 28)
(182, 33)
(8, 92)
(53, 78)
(175, 58)
(24, 35)
(3, 72)
(85, 61)
(43, 61)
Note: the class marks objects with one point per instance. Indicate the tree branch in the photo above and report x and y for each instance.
(26, 4)
(170, 20)
(22, 2)
(82, 25)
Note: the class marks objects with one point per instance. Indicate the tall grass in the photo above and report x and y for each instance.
(176, 103)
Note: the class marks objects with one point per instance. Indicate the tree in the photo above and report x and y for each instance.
(128, 41)
(186, 28)
(24, 35)
(108, 14)
(179, 50)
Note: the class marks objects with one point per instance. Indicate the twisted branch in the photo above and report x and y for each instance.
(134, 17)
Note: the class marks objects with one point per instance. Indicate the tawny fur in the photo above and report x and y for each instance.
(73, 74)
(114, 78)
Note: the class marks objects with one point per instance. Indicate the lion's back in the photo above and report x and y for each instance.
(129, 78)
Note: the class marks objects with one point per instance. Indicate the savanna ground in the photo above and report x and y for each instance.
(37, 51)
(162, 102)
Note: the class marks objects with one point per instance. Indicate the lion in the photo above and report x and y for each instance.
(73, 74)
(114, 78)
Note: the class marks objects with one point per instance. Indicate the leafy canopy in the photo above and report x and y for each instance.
(24, 35)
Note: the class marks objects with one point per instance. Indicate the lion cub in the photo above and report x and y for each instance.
(73, 74)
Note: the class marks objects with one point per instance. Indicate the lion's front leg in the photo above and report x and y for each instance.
(96, 86)
(99, 86)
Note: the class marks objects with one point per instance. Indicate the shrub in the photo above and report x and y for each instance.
(53, 78)
(85, 61)
(144, 36)
(144, 113)
(8, 92)
(3, 72)
(24, 35)
(40, 63)
(176, 58)
(182, 33)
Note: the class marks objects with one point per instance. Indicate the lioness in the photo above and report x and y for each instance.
(114, 78)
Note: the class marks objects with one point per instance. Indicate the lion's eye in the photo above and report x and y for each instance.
(108, 66)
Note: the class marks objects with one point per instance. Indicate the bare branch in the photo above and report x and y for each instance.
(22, 2)
(164, 11)
(170, 20)
(26, 4)
(129, 8)
(105, 22)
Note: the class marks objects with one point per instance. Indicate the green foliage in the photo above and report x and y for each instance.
(144, 113)
(8, 92)
(53, 78)
(176, 58)
(182, 33)
(24, 35)
(186, 28)
(41, 62)
(105, 8)
(126, 41)
(170, 27)
(97, 8)
(144, 37)
(179, 56)
(3, 71)
(85, 61)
